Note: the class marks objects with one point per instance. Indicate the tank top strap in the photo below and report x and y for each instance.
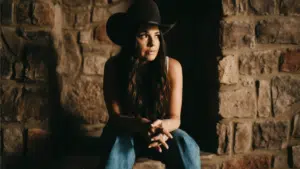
(167, 63)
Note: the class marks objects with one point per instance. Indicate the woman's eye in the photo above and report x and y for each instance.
(142, 35)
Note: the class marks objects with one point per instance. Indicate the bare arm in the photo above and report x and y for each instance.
(111, 96)
(176, 85)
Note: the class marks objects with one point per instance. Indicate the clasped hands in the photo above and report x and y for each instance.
(157, 135)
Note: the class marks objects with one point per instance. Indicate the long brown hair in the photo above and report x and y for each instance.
(148, 96)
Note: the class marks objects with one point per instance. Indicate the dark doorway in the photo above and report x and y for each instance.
(194, 41)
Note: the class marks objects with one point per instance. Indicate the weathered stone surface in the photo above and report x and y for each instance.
(242, 137)
(236, 35)
(70, 62)
(264, 99)
(83, 19)
(285, 93)
(238, 103)
(289, 7)
(23, 13)
(100, 14)
(281, 161)
(43, 14)
(84, 99)
(247, 81)
(13, 141)
(249, 162)
(102, 3)
(209, 165)
(119, 7)
(7, 12)
(36, 58)
(10, 97)
(148, 164)
(228, 70)
(100, 33)
(291, 62)
(38, 37)
(19, 70)
(38, 142)
(69, 19)
(266, 7)
(256, 63)
(234, 7)
(270, 135)
(225, 133)
(34, 104)
(76, 3)
(278, 31)
(13, 41)
(94, 64)
(296, 156)
(296, 126)
(6, 67)
(85, 36)
(103, 48)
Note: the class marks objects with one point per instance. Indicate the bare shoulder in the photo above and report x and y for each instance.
(175, 68)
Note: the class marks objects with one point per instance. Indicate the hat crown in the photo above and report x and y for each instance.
(144, 11)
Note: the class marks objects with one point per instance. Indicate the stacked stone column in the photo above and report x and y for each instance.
(260, 84)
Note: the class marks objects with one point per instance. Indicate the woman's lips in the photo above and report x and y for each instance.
(151, 52)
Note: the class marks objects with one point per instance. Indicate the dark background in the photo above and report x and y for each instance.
(194, 42)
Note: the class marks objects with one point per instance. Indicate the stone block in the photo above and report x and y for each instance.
(34, 105)
(85, 36)
(69, 19)
(6, 66)
(84, 99)
(258, 63)
(264, 99)
(236, 35)
(228, 70)
(23, 12)
(270, 135)
(289, 7)
(19, 70)
(70, 61)
(296, 126)
(94, 64)
(39, 37)
(13, 41)
(296, 156)
(249, 162)
(234, 7)
(43, 14)
(281, 161)
(38, 142)
(10, 97)
(238, 103)
(76, 3)
(266, 7)
(285, 93)
(83, 19)
(278, 31)
(13, 141)
(100, 14)
(7, 10)
(100, 33)
(291, 61)
(242, 137)
(225, 133)
(143, 163)
(119, 7)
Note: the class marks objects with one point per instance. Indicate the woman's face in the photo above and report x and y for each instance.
(148, 41)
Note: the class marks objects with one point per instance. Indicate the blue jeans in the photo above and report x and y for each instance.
(183, 152)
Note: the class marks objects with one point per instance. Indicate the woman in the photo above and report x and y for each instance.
(143, 94)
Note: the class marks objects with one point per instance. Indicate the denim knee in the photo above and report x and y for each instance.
(183, 138)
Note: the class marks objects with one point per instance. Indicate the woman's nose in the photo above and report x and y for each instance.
(150, 41)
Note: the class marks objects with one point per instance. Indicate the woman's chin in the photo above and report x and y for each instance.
(151, 57)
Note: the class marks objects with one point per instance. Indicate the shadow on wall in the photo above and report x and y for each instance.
(195, 43)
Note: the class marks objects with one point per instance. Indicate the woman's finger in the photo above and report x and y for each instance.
(164, 143)
(167, 133)
(156, 123)
(154, 144)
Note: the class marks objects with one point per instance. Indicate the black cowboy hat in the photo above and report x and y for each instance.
(120, 26)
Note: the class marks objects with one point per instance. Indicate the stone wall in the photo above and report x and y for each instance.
(52, 59)
(259, 93)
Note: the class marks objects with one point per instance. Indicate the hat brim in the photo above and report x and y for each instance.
(118, 25)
